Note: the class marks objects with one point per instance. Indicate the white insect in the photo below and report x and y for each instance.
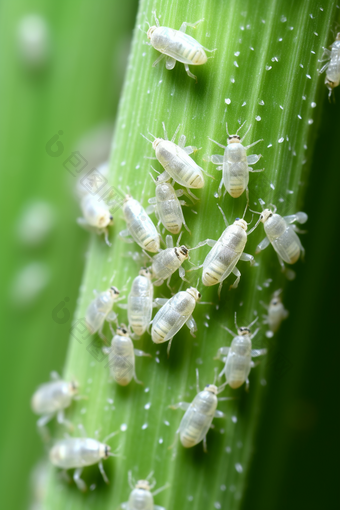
(225, 253)
(332, 66)
(52, 398)
(139, 226)
(176, 45)
(238, 357)
(122, 357)
(78, 452)
(167, 207)
(176, 162)
(282, 235)
(174, 313)
(140, 302)
(199, 414)
(141, 497)
(276, 314)
(97, 216)
(167, 261)
(235, 163)
(100, 310)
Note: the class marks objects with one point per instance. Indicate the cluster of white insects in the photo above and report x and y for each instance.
(52, 398)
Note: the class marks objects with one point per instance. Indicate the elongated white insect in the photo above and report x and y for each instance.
(225, 253)
(282, 235)
(141, 497)
(176, 162)
(78, 452)
(237, 357)
(332, 66)
(176, 45)
(168, 208)
(276, 313)
(139, 226)
(122, 357)
(97, 216)
(235, 164)
(100, 310)
(52, 398)
(199, 414)
(174, 313)
(140, 302)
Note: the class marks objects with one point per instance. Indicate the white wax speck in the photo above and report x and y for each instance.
(123, 427)
(239, 468)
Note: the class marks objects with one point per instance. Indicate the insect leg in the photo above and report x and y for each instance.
(142, 353)
(185, 24)
(247, 384)
(253, 158)
(191, 323)
(160, 302)
(157, 61)
(300, 217)
(163, 177)
(237, 273)
(222, 351)
(219, 191)
(41, 425)
(62, 420)
(205, 449)
(170, 63)
(124, 235)
(191, 194)
(262, 245)
(190, 149)
(252, 144)
(258, 352)
(215, 159)
(189, 73)
(101, 469)
(324, 67)
(78, 481)
(247, 258)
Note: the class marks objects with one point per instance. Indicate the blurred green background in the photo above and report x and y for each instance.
(73, 86)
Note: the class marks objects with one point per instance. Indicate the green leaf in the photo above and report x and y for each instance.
(264, 71)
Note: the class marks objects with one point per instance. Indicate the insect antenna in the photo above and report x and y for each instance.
(252, 323)
(132, 481)
(146, 138)
(235, 321)
(274, 207)
(166, 486)
(241, 126)
(254, 227)
(110, 435)
(245, 134)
